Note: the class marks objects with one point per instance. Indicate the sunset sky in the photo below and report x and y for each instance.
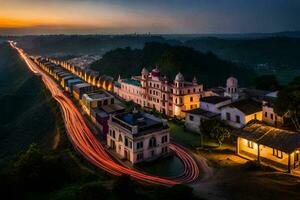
(156, 16)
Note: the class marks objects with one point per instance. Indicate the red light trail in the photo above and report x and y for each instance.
(88, 145)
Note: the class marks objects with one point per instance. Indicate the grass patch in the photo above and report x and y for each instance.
(190, 139)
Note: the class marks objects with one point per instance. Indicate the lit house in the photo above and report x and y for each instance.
(138, 136)
(96, 99)
(270, 146)
(209, 109)
(238, 114)
(80, 89)
(151, 90)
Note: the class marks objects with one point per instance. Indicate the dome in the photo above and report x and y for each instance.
(155, 72)
(179, 77)
(144, 71)
(232, 82)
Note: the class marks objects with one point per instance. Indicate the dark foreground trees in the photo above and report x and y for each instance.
(288, 102)
(216, 129)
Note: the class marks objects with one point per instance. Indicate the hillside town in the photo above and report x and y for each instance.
(136, 136)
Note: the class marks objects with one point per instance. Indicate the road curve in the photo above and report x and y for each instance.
(87, 144)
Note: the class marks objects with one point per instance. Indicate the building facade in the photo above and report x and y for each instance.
(238, 114)
(153, 91)
(138, 136)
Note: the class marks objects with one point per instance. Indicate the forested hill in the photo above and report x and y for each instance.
(26, 115)
(82, 44)
(207, 67)
(273, 51)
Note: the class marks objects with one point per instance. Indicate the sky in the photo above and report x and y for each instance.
(19, 17)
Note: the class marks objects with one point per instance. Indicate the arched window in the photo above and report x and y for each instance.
(152, 142)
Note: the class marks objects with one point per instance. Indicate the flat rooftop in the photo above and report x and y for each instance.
(144, 122)
(98, 95)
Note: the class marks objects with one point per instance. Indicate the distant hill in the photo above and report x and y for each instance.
(82, 44)
(273, 51)
(26, 115)
(207, 67)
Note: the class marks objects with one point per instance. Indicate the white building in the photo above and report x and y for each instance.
(269, 116)
(138, 136)
(194, 118)
(232, 90)
(209, 109)
(213, 103)
(239, 113)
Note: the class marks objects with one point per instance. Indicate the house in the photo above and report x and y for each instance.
(213, 103)
(80, 89)
(96, 99)
(154, 91)
(271, 146)
(269, 116)
(137, 136)
(195, 117)
(100, 119)
(238, 114)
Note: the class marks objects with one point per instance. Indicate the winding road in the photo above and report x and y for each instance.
(88, 145)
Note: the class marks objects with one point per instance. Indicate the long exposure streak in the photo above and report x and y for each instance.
(87, 144)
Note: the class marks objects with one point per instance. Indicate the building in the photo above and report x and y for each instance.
(271, 146)
(232, 89)
(195, 117)
(100, 119)
(80, 89)
(153, 91)
(96, 99)
(238, 114)
(209, 109)
(138, 136)
(269, 116)
(213, 103)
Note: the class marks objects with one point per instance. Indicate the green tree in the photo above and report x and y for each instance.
(267, 82)
(288, 102)
(216, 129)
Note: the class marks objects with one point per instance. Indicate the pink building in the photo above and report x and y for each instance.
(151, 90)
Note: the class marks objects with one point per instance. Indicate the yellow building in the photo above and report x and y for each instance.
(270, 146)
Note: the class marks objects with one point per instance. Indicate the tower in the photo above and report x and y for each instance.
(145, 74)
(232, 88)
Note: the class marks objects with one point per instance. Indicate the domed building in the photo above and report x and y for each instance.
(153, 91)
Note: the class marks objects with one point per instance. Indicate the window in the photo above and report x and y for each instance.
(152, 142)
(191, 99)
(164, 139)
(266, 114)
(277, 153)
(139, 145)
(191, 118)
(255, 116)
(140, 156)
(271, 116)
(228, 116)
(188, 91)
(238, 119)
(164, 150)
(250, 144)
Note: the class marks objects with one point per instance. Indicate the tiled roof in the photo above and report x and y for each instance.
(214, 99)
(247, 106)
(284, 140)
(202, 112)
